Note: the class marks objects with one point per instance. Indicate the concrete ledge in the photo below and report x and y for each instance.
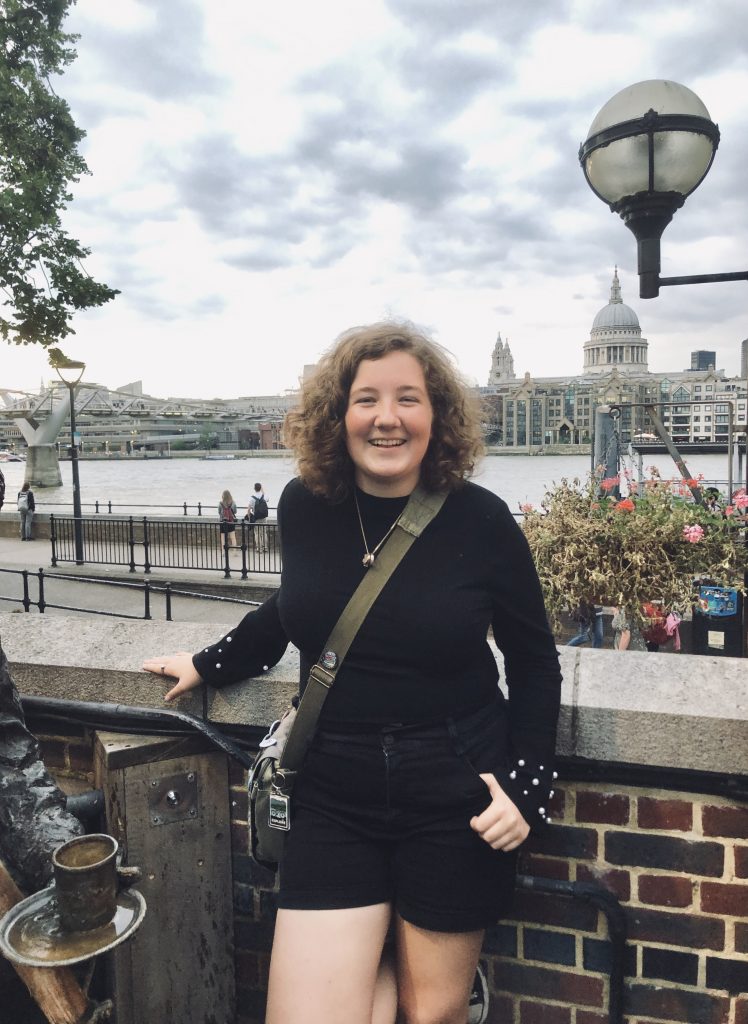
(688, 712)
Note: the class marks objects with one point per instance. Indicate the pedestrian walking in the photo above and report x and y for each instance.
(26, 506)
(421, 781)
(2, 490)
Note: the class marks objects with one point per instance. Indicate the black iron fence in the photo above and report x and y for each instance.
(143, 543)
(29, 580)
(108, 507)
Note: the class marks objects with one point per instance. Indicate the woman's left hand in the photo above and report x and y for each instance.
(501, 825)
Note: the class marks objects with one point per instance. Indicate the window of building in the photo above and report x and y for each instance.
(709, 387)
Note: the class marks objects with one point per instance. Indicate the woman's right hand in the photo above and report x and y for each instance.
(179, 666)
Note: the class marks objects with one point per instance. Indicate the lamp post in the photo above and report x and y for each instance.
(70, 372)
(647, 150)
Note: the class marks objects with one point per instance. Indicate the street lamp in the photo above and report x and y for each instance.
(649, 148)
(70, 372)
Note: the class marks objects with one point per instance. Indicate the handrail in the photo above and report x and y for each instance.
(148, 588)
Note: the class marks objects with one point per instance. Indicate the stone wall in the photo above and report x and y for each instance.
(652, 804)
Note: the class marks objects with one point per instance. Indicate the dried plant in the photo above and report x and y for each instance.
(590, 546)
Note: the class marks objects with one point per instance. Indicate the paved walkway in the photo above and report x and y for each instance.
(72, 592)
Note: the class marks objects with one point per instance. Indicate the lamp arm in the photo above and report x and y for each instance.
(738, 275)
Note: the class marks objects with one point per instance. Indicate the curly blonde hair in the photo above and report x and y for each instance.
(315, 429)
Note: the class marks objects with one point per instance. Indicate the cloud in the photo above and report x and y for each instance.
(163, 58)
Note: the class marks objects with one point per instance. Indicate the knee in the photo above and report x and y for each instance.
(426, 1012)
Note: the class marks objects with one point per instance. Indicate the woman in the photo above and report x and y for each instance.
(421, 782)
(26, 506)
(227, 515)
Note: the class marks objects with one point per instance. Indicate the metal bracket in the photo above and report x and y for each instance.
(173, 798)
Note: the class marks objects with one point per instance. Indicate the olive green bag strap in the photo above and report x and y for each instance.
(421, 508)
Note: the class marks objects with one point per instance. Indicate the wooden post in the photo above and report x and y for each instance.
(54, 989)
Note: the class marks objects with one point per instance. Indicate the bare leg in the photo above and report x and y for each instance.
(324, 965)
(435, 972)
(385, 991)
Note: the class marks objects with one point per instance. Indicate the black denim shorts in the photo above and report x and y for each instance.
(384, 817)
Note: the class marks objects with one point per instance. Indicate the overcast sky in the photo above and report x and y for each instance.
(267, 175)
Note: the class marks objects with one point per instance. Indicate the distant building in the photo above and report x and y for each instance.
(502, 363)
(538, 412)
(703, 360)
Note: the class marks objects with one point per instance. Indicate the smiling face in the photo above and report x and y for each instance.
(388, 424)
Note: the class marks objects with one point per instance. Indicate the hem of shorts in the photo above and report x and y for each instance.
(332, 900)
(437, 921)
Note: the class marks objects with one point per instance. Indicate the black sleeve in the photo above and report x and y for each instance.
(253, 647)
(533, 676)
(32, 503)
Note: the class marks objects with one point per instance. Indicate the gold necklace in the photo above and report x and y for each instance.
(369, 557)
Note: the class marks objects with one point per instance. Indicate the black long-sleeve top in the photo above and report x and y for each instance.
(422, 652)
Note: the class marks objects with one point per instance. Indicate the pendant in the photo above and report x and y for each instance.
(368, 560)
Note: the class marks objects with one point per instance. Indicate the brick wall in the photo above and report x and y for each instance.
(677, 861)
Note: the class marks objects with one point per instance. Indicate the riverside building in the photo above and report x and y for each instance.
(526, 415)
(539, 413)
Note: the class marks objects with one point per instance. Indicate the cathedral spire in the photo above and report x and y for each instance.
(615, 288)
(502, 362)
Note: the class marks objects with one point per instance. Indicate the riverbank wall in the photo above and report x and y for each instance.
(651, 805)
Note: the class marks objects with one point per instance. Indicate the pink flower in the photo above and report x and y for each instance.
(610, 482)
(730, 510)
(693, 534)
(741, 500)
(626, 505)
(527, 507)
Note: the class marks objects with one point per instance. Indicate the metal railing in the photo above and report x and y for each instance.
(108, 507)
(143, 543)
(148, 589)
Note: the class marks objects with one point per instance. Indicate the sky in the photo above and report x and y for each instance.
(264, 176)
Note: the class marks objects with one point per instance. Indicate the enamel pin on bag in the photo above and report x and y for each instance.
(282, 751)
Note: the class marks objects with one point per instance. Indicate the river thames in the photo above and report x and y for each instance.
(137, 486)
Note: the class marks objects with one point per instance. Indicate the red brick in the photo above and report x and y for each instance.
(587, 1017)
(565, 841)
(725, 821)
(666, 890)
(741, 1011)
(674, 1004)
(720, 898)
(543, 983)
(557, 805)
(543, 909)
(500, 1009)
(675, 815)
(741, 861)
(542, 1013)
(741, 937)
(693, 931)
(603, 808)
(544, 867)
(619, 882)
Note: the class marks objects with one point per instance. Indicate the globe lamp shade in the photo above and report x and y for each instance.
(648, 148)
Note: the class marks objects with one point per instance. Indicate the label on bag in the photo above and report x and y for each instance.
(279, 812)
